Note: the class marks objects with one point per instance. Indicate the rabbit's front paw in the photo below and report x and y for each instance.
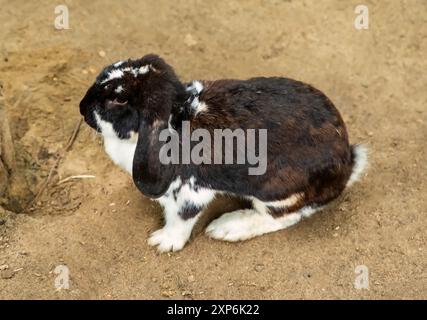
(167, 239)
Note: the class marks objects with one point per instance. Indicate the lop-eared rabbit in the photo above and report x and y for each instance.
(309, 160)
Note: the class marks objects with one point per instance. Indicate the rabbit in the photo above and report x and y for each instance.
(309, 161)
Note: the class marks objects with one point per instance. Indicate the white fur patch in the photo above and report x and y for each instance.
(170, 128)
(198, 86)
(187, 193)
(172, 237)
(118, 63)
(119, 89)
(307, 212)
(245, 224)
(360, 163)
(143, 69)
(177, 231)
(113, 74)
(195, 85)
(290, 201)
(199, 106)
(119, 73)
(121, 151)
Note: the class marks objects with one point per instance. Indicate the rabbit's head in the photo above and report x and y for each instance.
(127, 93)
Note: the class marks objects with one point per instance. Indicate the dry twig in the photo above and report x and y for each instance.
(82, 176)
(55, 166)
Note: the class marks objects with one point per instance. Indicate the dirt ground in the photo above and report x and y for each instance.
(98, 227)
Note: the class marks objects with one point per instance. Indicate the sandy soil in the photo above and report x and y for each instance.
(98, 227)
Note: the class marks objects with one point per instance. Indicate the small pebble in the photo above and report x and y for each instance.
(259, 267)
(7, 274)
(186, 293)
(189, 40)
(102, 53)
(168, 293)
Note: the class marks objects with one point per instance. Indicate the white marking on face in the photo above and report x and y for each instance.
(119, 73)
(121, 151)
(119, 89)
(119, 63)
(113, 74)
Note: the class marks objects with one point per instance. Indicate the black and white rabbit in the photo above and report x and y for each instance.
(309, 159)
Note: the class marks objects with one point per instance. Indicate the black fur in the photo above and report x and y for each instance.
(307, 147)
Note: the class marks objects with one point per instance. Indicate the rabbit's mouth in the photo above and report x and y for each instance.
(90, 119)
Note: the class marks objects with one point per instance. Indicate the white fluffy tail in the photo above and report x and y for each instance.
(360, 161)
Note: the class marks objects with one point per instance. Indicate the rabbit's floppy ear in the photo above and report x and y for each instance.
(151, 176)
(161, 92)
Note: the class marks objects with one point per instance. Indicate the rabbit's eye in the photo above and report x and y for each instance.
(109, 104)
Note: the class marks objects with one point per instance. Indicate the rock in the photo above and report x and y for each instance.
(7, 274)
(189, 40)
(168, 293)
(186, 293)
(191, 279)
(102, 53)
(259, 267)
